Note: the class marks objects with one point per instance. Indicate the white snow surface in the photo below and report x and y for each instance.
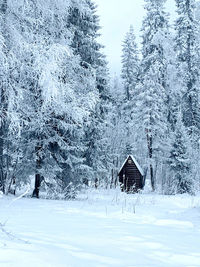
(101, 228)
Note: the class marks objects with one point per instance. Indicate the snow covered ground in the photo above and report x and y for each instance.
(101, 228)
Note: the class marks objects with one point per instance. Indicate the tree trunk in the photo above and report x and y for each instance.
(116, 172)
(112, 174)
(4, 104)
(150, 151)
(38, 177)
(2, 182)
(112, 178)
(96, 183)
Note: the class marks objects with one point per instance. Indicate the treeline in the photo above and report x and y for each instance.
(162, 96)
(62, 125)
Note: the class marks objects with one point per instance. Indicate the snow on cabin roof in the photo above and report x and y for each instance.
(136, 163)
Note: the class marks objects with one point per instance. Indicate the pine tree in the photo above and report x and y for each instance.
(85, 30)
(83, 22)
(151, 96)
(130, 63)
(188, 56)
(130, 71)
(180, 164)
(187, 49)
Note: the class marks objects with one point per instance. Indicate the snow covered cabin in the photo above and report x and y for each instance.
(131, 175)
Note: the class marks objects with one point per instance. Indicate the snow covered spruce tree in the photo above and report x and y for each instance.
(188, 56)
(116, 131)
(130, 63)
(151, 97)
(85, 28)
(83, 22)
(8, 90)
(97, 153)
(180, 180)
(130, 71)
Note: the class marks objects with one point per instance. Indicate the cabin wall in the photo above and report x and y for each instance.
(131, 177)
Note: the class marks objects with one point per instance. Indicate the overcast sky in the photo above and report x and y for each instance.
(115, 18)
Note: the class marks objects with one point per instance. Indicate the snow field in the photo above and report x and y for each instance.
(101, 228)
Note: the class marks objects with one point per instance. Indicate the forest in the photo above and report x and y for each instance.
(65, 124)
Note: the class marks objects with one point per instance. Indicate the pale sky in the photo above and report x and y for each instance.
(116, 16)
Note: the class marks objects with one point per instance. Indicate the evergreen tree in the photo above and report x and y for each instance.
(188, 56)
(130, 71)
(151, 96)
(84, 24)
(7, 91)
(130, 63)
(187, 49)
(180, 164)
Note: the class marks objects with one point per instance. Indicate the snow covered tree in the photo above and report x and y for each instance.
(54, 97)
(7, 90)
(83, 22)
(180, 164)
(84, 25)
(129, 75)
(130, 63)
(151, 96)
(3, 92)
(49, 93)
(187, 49)
(188, 57)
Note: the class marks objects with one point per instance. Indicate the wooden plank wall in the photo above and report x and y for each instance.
(132, 175)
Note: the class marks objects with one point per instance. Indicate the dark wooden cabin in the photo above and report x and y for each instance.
(131, 176)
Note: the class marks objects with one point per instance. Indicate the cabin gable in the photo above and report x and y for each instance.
(131, 175)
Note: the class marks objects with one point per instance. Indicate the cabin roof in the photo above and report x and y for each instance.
(136, 163)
